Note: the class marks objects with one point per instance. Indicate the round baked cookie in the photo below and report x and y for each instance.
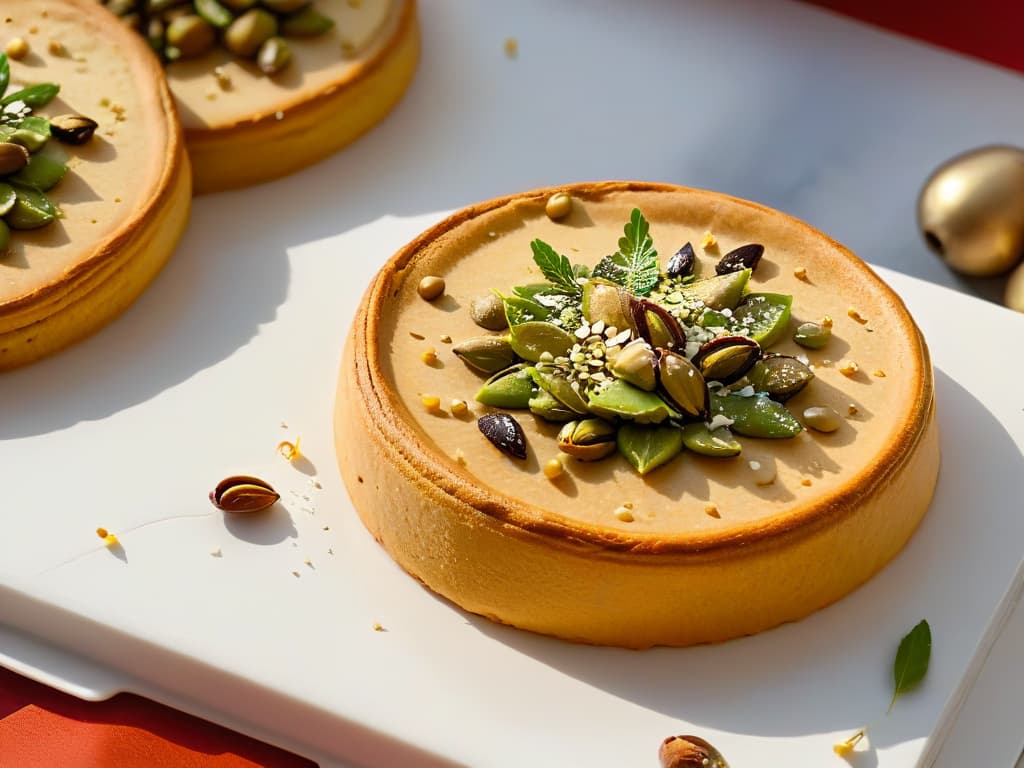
(243, 127)
(700, 549)
(125, 197)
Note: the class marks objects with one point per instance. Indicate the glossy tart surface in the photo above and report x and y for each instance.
(125, 197)
(829, 502)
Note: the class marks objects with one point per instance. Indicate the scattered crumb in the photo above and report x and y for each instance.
(627, 504)
(56, 48)
(211, 95)
(459, 407)
(378, 627)
(712, 511)
(431, 402)
(800, 273)
(806, 481)
(848, 368)
(511, 47)
(856, 316)
(879, 373)
(216, 552)
(429, 356)
(279, 115)
(315, 483)
(460, 457)
(296, 574)
(446, 339)
(492, 234)
(330, 551)
(308, 562)
(417, 336)
(222, 77)
(826, 321)
(347, 48)
(708, 241)
(624, 514)
(327, 528)
(851, 409)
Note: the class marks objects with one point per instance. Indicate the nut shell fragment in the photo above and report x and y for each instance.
(689, 752)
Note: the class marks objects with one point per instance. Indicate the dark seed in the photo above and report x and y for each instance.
(681, 263)
(781, 376)
(638, 309)
(505, 433)
(72, 129)
(744, 257)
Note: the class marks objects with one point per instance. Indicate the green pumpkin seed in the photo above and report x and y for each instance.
(306, 23)
(214, 13)
(620, 399)
(488, 311)
(191, 35)
(719, 443)
(7, 198)
(763, 317)
(510, 388)
(486, 354)
(41, 173)
(34, 96)
(718, 292)
(544, 404)
(30, 140)
(31, 210)
(530, 340)
(756, 416)
(646, 447)
(683, 383)
(812, 335)
(274, 56)
(35, 124)
(249, 31)
(559, 388)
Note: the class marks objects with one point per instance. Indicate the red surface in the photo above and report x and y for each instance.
(40, 728)
(984, 29)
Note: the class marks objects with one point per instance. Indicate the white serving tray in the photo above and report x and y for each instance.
(242, 334)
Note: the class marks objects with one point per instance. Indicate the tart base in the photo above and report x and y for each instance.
(542, 569)
(306, 131)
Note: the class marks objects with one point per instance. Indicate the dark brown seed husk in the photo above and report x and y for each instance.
(638, 309)
(744, 257)
(727, 358)
(504, 433)
(243, 493)
(682, 262)
(72, 129)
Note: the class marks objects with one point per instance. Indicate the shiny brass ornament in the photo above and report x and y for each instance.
(971, 210)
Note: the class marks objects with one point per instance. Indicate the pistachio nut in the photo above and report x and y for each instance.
(683, 383)
(727, 358)
(656, 324)
(488, 311)
(486, 354)
(243, 493)
(249, 31)
(191, 35)
(274, 56)
(689, 752)
(780, 376)
(13, 157)
(550, 408)
(72, 129)
(635, 364)
(587, 439)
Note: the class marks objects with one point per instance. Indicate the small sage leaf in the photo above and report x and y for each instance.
(34, 96)
(555, 267)
(648, 447)
(912, 659)
(504, 433)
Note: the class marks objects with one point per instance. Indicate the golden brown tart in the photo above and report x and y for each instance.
(125, 198)
(243, 127)
(700, 549)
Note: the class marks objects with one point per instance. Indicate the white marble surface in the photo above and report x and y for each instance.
(829, 120)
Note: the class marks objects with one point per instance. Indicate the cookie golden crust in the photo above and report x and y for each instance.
(338, 86)
(126, 196)
(495, 536)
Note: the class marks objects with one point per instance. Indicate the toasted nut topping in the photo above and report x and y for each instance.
(623, 514)
(689, 752)
(879, 373)
(445, 339)
(852, 409)
(857, 316)
(16, 48)
(800, 273)
(553, 469)
(429, 356)
(848, 368)
(708, 240)
(56, 48)
(430, 287)
(558, 206)
(459, 407)
(806, 481)
(712, 511)
(431, 403)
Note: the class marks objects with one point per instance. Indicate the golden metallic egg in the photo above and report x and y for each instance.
(971, 210)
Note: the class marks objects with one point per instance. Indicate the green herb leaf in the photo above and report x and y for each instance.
(555, 267)
(635, 266)
(912, 659)
(34, 96)
(5, 73)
